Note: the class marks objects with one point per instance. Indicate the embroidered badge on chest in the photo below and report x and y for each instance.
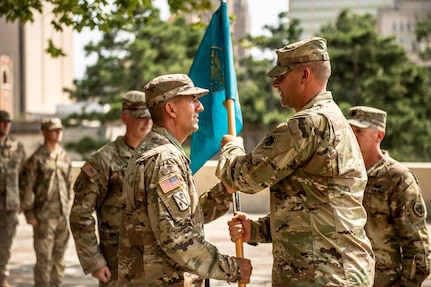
(170, 183)
(181, 200)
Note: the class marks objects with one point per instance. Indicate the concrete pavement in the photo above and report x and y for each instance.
(23, 258)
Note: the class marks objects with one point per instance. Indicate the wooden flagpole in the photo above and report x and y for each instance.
(239, 245)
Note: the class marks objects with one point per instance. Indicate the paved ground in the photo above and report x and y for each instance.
(23, 259)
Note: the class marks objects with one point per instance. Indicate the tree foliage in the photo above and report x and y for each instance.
(128, 58)
(102, 15)
(85, 146)
(423, 36)
(258, 102)
(137, 46)
(376, 71)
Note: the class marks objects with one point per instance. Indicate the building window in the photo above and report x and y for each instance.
(4, 77)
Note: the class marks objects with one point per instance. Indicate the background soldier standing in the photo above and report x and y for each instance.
(98, 188)
(46, 196)
(12, 156)
(396, 223)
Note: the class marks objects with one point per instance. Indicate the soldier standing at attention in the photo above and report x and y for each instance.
(314, 169)
(98, 188)
(46, 197)
(396, 211)
(12, 156)
(162, 240)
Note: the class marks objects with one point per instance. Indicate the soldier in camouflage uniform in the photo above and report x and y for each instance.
(12, 156)
(46, 197)
(98, 188)
(314, 169)
(396, 211)
(162, 239)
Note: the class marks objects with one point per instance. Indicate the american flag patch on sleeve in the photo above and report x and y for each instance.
(89, 170)
(170, 183)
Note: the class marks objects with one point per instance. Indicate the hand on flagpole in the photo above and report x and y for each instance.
(230, 138)
(240, 231)
(239, 227)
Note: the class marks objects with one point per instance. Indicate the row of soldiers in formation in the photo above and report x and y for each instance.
(342, 211)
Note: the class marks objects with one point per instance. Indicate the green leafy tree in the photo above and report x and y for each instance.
(85, 146)
(128, 58)
(258, 102)
(93, 14)
(376, 71)
(423, 36)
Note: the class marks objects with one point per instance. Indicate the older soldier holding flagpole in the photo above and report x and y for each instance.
(314, 169)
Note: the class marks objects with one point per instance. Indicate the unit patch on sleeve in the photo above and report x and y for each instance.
(419, 209)
(270, 142)
(170, 183)
(89, 170)
(181, 200)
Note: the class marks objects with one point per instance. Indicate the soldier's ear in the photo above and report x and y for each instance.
(170, 109)
(380, 135)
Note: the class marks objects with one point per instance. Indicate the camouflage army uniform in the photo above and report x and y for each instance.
(12, 156)
(396, 225)
(98, 188)
(315, 171)
(162, 233)
(46, 195)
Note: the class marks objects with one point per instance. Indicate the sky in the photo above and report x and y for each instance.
(262, 12)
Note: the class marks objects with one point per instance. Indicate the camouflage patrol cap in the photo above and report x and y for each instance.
(49, 124)
(134, 101)
(4, 116)
(308, 50)
(364, 117)
(170, 86)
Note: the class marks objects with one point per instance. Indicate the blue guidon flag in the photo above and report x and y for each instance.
(213, 69)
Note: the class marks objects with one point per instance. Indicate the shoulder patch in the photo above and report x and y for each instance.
(270, 141)
(181, 200)
(293, 126)
(170, 183)
(89, 170)
(419, 209)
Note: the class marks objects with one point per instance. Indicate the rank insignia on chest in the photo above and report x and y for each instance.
(170, 183)
(89, 170)
(181, 200)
